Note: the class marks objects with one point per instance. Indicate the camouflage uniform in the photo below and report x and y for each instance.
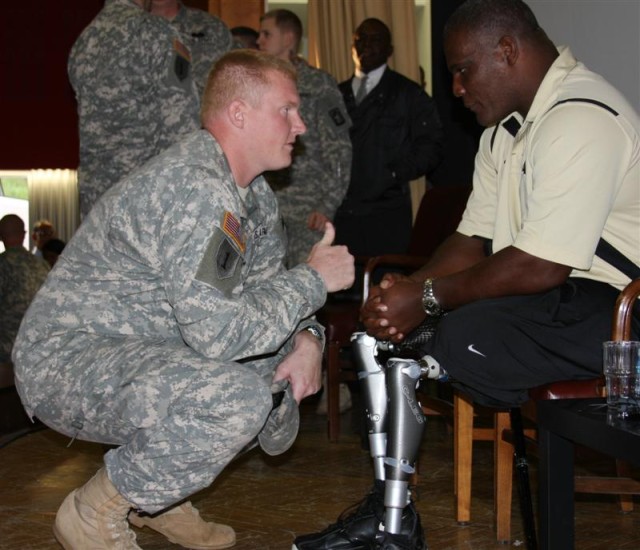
(21, 274)
(207, 38)
(319, 176)
(136, 96)
(173, 308)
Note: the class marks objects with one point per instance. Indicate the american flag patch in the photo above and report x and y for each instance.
(231, 227)
(181, 49)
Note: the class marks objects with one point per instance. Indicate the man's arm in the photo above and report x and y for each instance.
(462, 275)
(302, 366)
(334, 151)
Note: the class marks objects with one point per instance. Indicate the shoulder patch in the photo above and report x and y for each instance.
(181, 49)
(182, 60)
(220, 264)
(233, 229)
(226, 260)
(336, 115)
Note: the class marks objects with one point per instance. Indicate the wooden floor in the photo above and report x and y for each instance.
(269, 500)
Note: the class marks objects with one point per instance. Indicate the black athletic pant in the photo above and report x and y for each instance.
(495, 350)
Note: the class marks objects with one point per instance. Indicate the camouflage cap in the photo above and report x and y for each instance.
(281, 428)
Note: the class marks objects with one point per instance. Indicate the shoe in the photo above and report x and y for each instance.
(95, 516)
(344, 398)
(183, 525)
(358, 526)
(388, 541)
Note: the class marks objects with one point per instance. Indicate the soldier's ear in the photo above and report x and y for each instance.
(236, 113)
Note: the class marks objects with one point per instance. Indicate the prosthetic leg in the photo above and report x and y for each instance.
(372, 380)
(385, 519)
(394, 418)
(406, 428)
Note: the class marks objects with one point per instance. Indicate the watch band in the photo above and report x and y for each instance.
(429, 302)
(316, 332)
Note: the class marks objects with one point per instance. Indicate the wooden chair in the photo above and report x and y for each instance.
(340, 320)
(621, 484)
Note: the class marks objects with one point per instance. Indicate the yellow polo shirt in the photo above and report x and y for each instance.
(568, 174)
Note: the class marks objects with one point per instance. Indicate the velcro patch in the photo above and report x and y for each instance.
(181, 49)
(220, 265)
(232, 227)
(226, 260)
(336, 115)
(182, 60)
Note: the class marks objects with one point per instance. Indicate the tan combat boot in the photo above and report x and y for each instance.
(95, 516)
(183, 525)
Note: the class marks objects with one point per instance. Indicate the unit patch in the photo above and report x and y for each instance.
(226, 260)
(337, 116)
(221, 265)
(182, 60)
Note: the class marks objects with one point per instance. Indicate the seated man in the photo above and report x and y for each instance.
(178, 334)
(549, 237)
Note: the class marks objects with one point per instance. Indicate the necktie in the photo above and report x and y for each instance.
(362, 90)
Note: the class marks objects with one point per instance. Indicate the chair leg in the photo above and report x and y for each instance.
(522, 472)
(462, 455)
(333, 390)
(503, 477)
(623, 469)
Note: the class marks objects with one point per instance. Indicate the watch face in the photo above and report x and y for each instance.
(432, 307)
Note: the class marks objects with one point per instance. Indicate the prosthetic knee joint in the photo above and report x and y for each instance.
(394, 418)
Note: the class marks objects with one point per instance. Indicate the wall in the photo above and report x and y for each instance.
(38, 108)
(39, 121)
(603, 34)
(39, 127)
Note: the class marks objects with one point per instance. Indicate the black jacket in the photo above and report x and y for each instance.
(396, 136)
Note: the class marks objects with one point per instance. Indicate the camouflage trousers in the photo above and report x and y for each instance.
(177, 417)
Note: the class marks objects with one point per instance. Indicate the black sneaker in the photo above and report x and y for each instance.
(387, 541)
(409, 539)
(356, 529)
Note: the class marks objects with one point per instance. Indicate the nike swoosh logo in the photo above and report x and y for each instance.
(472, 349)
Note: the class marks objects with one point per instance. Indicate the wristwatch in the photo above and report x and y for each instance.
(429, 303)
(316, 332)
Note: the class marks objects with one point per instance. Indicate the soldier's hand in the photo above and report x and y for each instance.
(317, 221)
(334, 263)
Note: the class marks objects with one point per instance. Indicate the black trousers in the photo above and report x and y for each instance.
(497, 349)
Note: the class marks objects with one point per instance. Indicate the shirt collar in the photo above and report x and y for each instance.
(547, 94)
(373, 77)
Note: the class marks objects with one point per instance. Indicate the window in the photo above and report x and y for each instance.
(14, 199)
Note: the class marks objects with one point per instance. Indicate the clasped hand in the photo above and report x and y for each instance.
(394, 308)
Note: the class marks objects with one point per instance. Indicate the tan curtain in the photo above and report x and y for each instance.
(330, 27)
(53, 195)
